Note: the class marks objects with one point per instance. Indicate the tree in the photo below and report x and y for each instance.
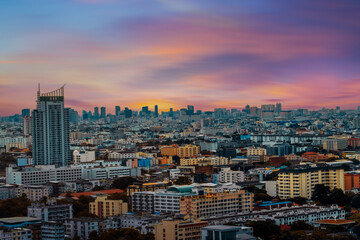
(118, 196)
(182, 180)
(320, 193)
(355, 201)
(299, 200)
(264, 230)
(337, 196)
(93, 236)
(300, 225)
(262, 197)
(123, 182)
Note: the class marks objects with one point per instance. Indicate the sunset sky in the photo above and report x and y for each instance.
(208, 53)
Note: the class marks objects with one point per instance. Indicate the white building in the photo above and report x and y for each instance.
(42, 174)
(228, 176)
(271, 188)
(122, 155)
(80, 156)
(82, 227)
(34, 193)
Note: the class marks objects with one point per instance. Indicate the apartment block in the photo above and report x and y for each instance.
(180, 229)
(103, 207)
(216, 204)
(255, 151)
(227, 175)
(300, 181)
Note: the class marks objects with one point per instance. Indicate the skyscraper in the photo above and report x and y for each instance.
(156, 111)
(96, 113)
(25, 112)
(50, 129)
(190, 110)
(103, 112)
(117, 110)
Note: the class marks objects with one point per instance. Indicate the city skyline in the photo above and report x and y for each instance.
(173, 54)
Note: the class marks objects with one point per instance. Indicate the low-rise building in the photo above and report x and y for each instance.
(48, 213)
(222, 232)
(82, 227)
(227, 175)
(103, 207)
(180, 229)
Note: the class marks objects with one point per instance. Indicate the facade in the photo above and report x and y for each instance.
(229, 176)
(334, 144)
(147, 187)
(143, 202)
(16, 234)
(216, 204)
(83, 156)
(224, 232)
(34, 193)
(188, 151)
(256, 151)
(7, 191)
(103, 207)
(52, 231)
(212, 160)
(301, 180)
(352, 180)
(82, 227)
(26, 125)
(179, 229)
(42, 174)
(50, 129)
(48, 213)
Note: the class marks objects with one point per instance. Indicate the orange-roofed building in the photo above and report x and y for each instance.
(94, 193)
(352, 181)
(314, 157)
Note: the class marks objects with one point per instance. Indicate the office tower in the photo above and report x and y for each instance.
(85, 115)
(190, 110)
(117, 110)
(171, 114)
(278, 108)
(128, 113)
(156, 111)
(26, 125)
(144, 111)
(268, 107)
(25, 112)
(73, 116)
(102, 112)
(96, 113)
(50, 129)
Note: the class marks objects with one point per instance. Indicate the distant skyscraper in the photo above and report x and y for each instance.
(73, 116)
(190, 110)
(26, 125)
(103, 112)
(50, 129)
(117, 110)
(171, 114)
(144, 111)
(278, 108)
(128, 113)
(156, 111)
(25, 112)
(96, 113)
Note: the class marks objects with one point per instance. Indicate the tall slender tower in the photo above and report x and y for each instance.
(50, 128)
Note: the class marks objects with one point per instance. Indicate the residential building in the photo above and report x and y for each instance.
(50, 213)
(212, 160)
(50, 129)
(103, 207)
(42, 174)
(335, 143)
(226, 175)
(300, 181)
(224, 232)
(82, 227)
(80, 156)
(180, 229)
(34, 193)
(52, 231)
(143, 202)
(352, 180)
(216, 204)
(255, 151)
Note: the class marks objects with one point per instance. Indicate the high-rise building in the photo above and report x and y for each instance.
(103, 112)
(171, 114)
(96, 113)
(117, 110)
(50, 129)
(25, 112)
(278, 108)
(128, 113)
(26, 125)
(190, 110)
(156, 111)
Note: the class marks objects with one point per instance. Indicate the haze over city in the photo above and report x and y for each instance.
(174, 53)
